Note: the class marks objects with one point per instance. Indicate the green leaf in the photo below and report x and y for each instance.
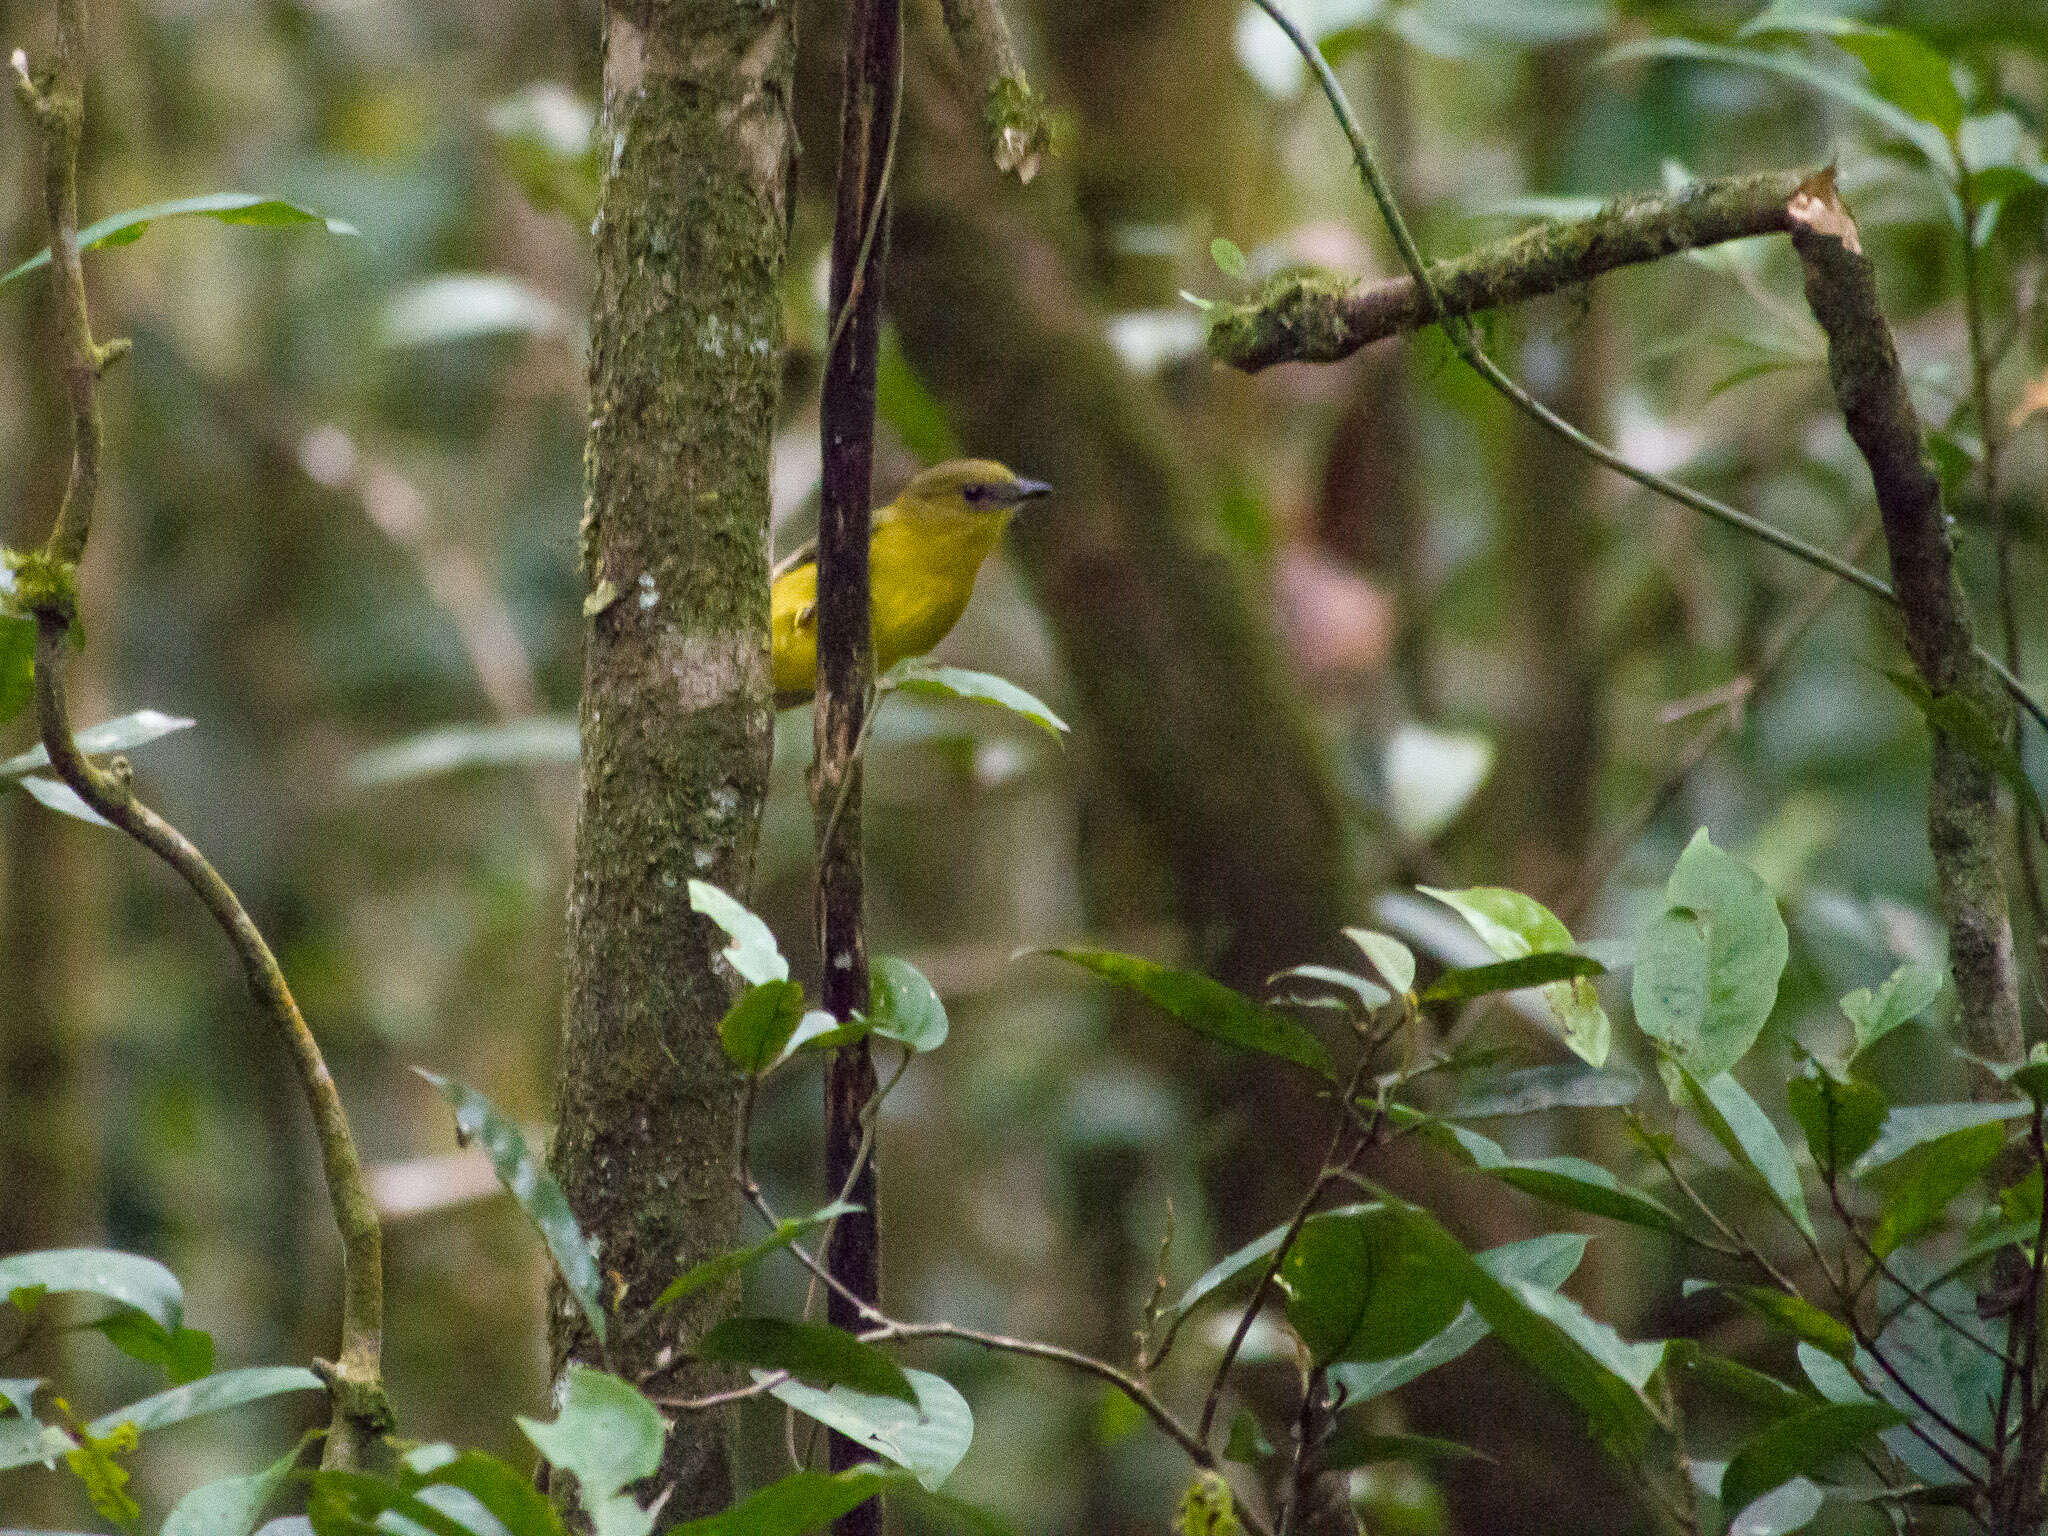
(119, 735)
(1793, 1314)
(1208, 1007)
(211, 1394)
(530, 1183)
(540, 741)
(1514, 927)
(902, 1006)
(917, 676)
(506, 1495)
(1470, 981)
(1919, 1184)
(1571, 1182)
(800, 1502)
(715, 1270)
(17, 666)
(929, 1439)
(1910, 1125)
(1799, 1443)
(1353, 1446)
(1548, 1338)
(62, 799)
(356, 1504)
(1789, 1507)
(1229, 261)
(1905, 995)
(225, 207)
(233, 1505)
(1707, 972)
(1964, 721)
(755, 1029)
(1746, 1132)
(1567, 1085)
(1737, 1380)
(815, 1353)
(608, 1436)
(907, 404)
(1356, 1290)
(1929, 140)
(126, 1278)
(1248, 1443)
(752, 951)
(1904, 71)
(1547, 1261)
(1840, 1116)
(1370, 994)
(1394, 960)
(184, 1354)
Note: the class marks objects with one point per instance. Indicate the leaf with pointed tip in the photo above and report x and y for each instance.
(1515, 927)
(1571, 1182)
(1840, 1116)
(1746, 1132)
(1208, 1007)
(127, 1279)
(714, 1270)
(1904, 995)
(815, 1353)
(609, 1437)
(123, 734)
(225, 207)
(752, 952)
(539, 1196)
(1394, 960)
(903, 1006)
(929, 1438)
(1456, 986)
(916, 676)
(757, 1028)
(1800, 1443)
(794, 1505)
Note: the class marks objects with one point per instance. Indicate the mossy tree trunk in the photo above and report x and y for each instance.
(685, 352)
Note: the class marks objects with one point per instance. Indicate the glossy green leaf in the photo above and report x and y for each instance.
(1707, 972)
(1230, 1267)
(752, 952)
(1616, 1410)
(1918, 1185)
(127, 1279)
(542, 741)
(1357, 1290)
(530, 1183)
(1394, 960)
(1515, 927)
(902, 1006)
(713, 1271)
(1370, 994)
(815, 1353)
(1835, 1382)
(233, 1505)
(798, 1503)
(929, 1438)
(1800, 1443)
(119, 735)
(1734, 1379)
(1904, 995)
(1572, 1182)
(1228, 258)
(225, 207)
(608, 1436)
(479, 1482)
(1911, 1125)
(1567, 1085)
(1456, 986)
(917, 676)
(1904, 71)
(1840, 1116)
(1547, 1261)
(1208, 1007)
(1746, 1132)
(755, 1029)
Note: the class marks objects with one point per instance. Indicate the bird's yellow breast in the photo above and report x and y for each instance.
(921, 571)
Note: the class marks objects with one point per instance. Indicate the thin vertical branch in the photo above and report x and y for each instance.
(46, 586)
(860, 254)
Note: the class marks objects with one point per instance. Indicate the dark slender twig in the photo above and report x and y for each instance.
(45, 586)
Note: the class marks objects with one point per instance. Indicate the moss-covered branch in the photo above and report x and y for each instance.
(1962, 809)
(1318, 319)
(1016, 123)
(44, 586)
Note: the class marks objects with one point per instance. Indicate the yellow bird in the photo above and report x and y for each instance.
(923, 554)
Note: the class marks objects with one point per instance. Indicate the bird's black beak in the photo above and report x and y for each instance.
(1022, 491)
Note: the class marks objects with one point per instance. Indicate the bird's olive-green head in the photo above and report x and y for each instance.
(972, 485)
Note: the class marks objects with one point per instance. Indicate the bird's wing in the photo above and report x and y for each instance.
(797, 558)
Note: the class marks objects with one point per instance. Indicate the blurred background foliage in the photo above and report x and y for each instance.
(343, 514)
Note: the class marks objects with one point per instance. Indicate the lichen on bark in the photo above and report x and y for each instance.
(685, 349)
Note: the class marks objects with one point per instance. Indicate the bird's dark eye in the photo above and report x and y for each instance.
(978, 494)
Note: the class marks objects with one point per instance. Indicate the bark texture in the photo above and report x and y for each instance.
(685, 351)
